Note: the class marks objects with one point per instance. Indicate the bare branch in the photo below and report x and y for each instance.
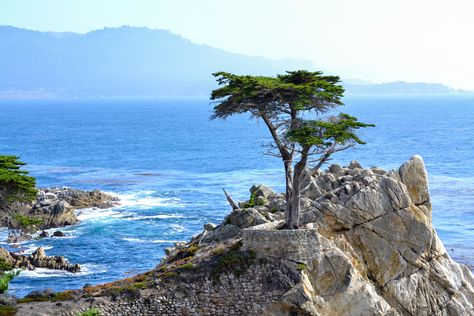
(231, 201)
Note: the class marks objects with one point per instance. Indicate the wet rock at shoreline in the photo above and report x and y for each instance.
(54, 207)
(38, 259)
(58, 233)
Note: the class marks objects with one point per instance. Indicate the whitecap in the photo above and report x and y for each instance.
(4, 235)
(177, 228)
(96, 213)
(162, 241)
(155, 241)
(29, 249)
(158, 216)
(86, 269)
(130, 239)
(144, 200)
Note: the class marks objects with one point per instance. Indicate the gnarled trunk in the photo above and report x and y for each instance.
(290, 215)
(293, 202)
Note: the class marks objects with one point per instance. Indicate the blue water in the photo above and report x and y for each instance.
(168, 162)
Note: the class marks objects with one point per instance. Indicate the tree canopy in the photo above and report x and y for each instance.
(15, 184)
(291, 105)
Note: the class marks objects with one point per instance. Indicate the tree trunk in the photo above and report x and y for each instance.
(293, 213)
(293, 204)
(289, 193)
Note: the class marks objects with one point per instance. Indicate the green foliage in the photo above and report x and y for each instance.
(299, 90)
(337, 130)
(187, 266)
(233, 261)
(252, 201)
(5, 266)
(90, 312)
(26, 221)
(301, 266)
(40, 297)
(5, 279)
(185, 253)
(6, 310)
(14, 182)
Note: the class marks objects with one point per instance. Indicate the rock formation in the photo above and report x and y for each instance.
(367, 247)
(55, 207)
(38, 259)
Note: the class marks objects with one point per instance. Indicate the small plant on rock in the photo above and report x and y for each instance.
(90, 312)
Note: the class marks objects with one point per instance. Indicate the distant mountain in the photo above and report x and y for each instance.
(396, 87)
(132, 62)
(126, 61)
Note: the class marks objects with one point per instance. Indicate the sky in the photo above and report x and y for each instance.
(374, 40)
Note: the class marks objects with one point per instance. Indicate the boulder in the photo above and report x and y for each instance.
(277, 205)
(15, 238)
(221, 233)
(58, 233)
(209, 226)
(355, 164)
(245, 218)
(260, 190)
(413, 174)
(336, 170)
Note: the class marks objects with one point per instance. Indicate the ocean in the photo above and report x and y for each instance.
(168, 163)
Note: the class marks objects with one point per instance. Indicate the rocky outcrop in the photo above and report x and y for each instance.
(38, 259)
(367, 246)
(55, 207)
(377, 252)
(78, 198)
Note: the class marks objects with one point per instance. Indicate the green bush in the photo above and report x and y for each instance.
(5, 266)
(301, 266)
(6, 310)
(252, 201)
(26, 221)
(5, 279)
(187, 266)
(90, 312)
(15, 183)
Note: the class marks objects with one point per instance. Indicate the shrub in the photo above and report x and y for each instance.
(185, 253)
(187, 266)
(252, 201)
(5, 280)
(26, 221)
(5, 266)
(46, 295)
(301, 266)
(6, 310)
(90, 312)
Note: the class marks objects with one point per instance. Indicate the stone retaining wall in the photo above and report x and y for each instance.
(249, 294)
(297, 244)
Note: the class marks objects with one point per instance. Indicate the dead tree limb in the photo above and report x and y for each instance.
(231, 201)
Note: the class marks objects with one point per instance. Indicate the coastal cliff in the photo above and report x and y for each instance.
(367, 246)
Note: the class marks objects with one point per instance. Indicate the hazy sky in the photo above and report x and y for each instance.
(376, 40)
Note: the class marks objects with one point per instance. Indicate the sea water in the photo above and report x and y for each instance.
(168, 163)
